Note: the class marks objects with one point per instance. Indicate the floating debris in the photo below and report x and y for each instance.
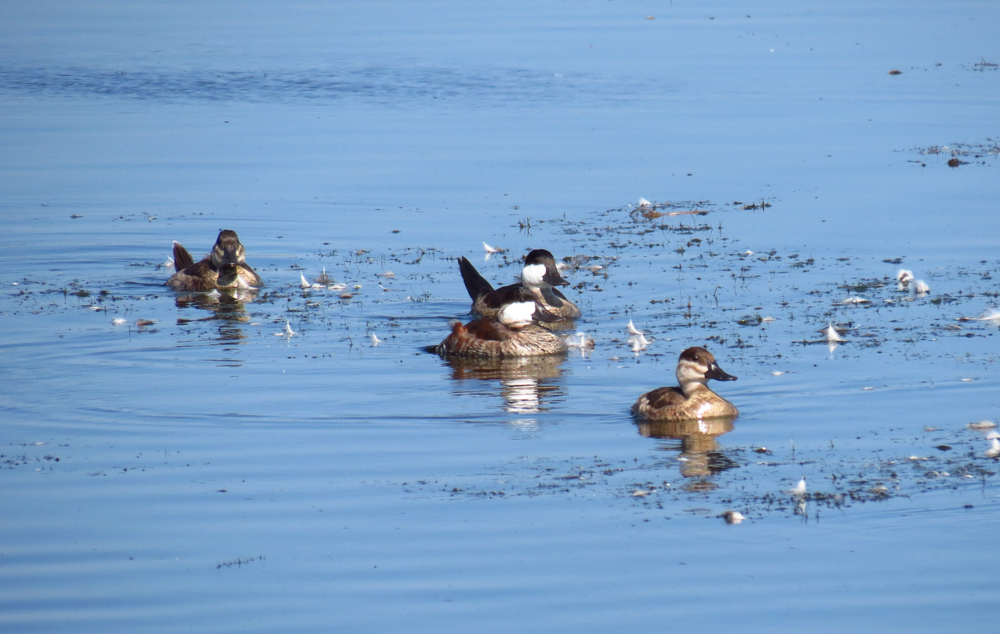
(118, 321)
(579, 340)
(631, 329)
(288, 332)
(644, 203)
(375, 340)
(324, 279)
(304, 283)
(777, 373)
(800, 488)
(491, 250)
(638, 343)
(983, 424)
(733, 517)
(386, 274)
(994, 449)
(992, 314)
(831, 334)
(637, 340)
(855, 300)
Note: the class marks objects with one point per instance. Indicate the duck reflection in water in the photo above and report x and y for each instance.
(528, 385)
(700, 457)
(227, 308)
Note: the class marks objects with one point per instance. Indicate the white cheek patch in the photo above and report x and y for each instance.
(532, 274)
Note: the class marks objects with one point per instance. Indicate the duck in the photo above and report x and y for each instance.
(693, 399)
(539, 279)
(513, 333)
(224, 268)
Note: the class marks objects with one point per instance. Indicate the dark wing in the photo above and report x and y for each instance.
(250, 275)
(475, 284)
(197, 277)
(665, 397)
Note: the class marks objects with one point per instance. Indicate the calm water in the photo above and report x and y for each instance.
(206, 471)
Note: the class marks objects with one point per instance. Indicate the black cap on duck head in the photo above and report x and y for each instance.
(227, 250)
(546, 259)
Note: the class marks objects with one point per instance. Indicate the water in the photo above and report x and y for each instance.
(204, 472)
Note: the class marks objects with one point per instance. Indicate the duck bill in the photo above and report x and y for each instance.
(718, 374)
(553, 278)
(543, 315)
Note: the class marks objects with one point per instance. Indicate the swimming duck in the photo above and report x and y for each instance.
(513, 333)
(225, 268)
(693, 399)
(539, 277)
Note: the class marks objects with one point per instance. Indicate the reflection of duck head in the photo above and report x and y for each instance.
(225, 267)
(698, 447)
(526, 383)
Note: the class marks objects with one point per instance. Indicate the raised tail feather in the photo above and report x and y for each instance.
(475, 283)
(182, 259)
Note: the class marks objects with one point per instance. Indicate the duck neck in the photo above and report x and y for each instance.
(690, 388)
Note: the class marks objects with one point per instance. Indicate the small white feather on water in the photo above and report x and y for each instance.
(992, 314)
(994, 449)
(644, 203)
(631, 329)
(638, 342)
(579, 340)
(491, 250)
(375, 340)
(800, 488)
(831, 334)
(304, 283)
(733, 517)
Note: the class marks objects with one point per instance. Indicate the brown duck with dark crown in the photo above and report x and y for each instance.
(224, 268)
(513, 333)
(693, 399)
(539, 279)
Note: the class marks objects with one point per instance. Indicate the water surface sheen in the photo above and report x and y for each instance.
(177, 460)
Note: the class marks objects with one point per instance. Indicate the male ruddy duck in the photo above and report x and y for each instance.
(225, 268)
(693, 399)
(539, 277)
(513, 333)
